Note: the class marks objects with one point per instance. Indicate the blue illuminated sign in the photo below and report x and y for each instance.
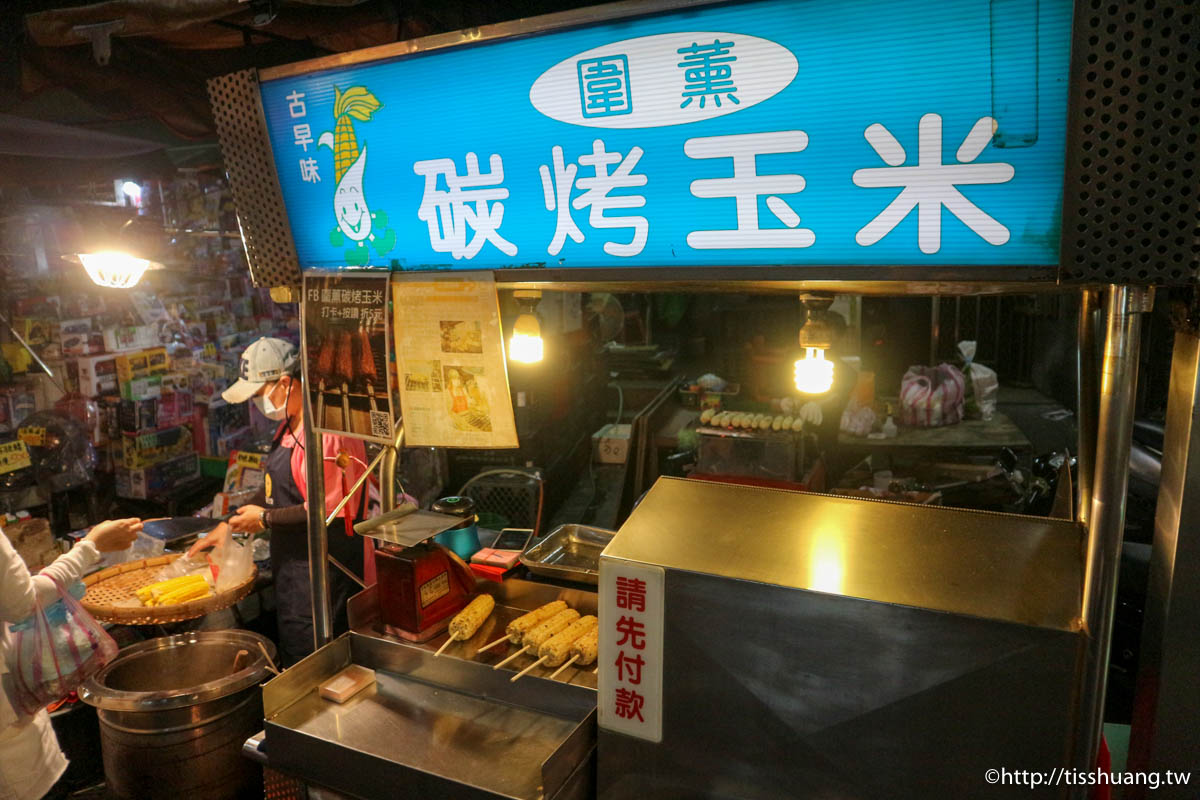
(874, 132)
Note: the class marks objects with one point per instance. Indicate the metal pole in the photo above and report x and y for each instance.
(957, 319)
(318, 543)
(387, 472)
(1085, 393)
(1167, 699)
(353, 489)
(935, 333)
(1106, 524)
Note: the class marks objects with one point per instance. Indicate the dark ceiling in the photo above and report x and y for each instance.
(163, 52)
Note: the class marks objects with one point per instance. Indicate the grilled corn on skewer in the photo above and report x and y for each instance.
(517, 628)
(586, 647)
(467, 621)
(538, 636)
(557, 648)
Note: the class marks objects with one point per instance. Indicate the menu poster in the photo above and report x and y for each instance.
(346, 341)
(450, 362)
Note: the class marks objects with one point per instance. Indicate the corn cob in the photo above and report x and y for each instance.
(586, 647)
(156, 589)
(175, 590)
(357, 103)
(517, 628)
(555, 650)
(467, 621)
(184, 595)
(536, 637)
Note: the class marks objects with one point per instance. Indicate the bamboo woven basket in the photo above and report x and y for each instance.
(112, 594)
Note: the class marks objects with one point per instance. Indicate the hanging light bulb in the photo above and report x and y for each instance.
(526, 344)
(112, 269)
(813, 374)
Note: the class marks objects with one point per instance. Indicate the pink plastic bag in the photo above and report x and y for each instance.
(932, 396)
(54, 651)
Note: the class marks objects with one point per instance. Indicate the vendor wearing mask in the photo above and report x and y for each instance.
(270, 377)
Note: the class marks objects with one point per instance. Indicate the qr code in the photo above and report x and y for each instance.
(381, 424)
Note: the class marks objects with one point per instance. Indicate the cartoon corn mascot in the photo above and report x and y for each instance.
(355, 221)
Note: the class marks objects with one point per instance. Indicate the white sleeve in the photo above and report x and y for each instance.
(18, 588)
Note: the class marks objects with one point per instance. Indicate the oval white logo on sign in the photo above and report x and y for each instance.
(665, 79)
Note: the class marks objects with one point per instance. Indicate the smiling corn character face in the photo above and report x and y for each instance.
(349, 164)
(349, 204)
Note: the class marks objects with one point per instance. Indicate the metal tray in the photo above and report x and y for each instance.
(513, 598)
(569, 552)
(441, 727)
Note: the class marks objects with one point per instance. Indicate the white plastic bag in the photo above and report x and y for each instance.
(54, 651)
(857, 420)
(985, 385)
(233, 563)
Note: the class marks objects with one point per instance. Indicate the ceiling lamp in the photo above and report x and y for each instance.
(526, 344)
(113, 269)
(813, 373)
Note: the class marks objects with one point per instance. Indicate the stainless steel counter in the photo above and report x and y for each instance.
(824, 647)
(1019, 569)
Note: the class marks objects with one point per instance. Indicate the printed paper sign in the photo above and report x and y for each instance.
(346, 366)
(631, 648)
(450, 362)
(13, 456)
(32, 436)
(768, 132)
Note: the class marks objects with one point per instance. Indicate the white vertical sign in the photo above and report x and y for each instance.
(631, 648)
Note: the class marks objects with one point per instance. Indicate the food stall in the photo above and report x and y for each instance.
(799, 637)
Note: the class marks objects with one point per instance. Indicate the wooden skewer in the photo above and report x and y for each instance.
(558, 671)
(522, 673)
(503, 638)
(510, 658)
(270, 662)
(443, 647)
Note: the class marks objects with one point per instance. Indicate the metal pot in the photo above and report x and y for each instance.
(175, 711)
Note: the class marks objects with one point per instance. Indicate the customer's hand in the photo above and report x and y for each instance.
(217, 537)
(248, 519)
(114, 534)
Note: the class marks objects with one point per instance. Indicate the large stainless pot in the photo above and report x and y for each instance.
(175, 711)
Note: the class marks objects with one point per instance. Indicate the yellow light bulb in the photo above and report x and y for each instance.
(813, 374)
(526, 345)
(114, 270)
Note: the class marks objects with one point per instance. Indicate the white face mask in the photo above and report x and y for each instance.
(269, 409)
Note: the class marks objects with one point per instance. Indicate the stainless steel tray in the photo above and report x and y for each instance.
(441, 728)
(570, 552)
(513, 598)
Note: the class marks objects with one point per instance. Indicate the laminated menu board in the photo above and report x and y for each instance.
(347, 354)
(450, 362)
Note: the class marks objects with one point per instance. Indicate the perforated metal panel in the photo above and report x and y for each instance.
(1132, 201)
(242, 130)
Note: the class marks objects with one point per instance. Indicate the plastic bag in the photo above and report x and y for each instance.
(857, 420)
(54, 651)
(183, 565)
(233, 563)
(932, 396)
(984, 384)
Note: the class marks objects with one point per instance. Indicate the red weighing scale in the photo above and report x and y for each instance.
(421, 584)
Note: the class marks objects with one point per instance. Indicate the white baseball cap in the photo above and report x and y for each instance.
(266, 360)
